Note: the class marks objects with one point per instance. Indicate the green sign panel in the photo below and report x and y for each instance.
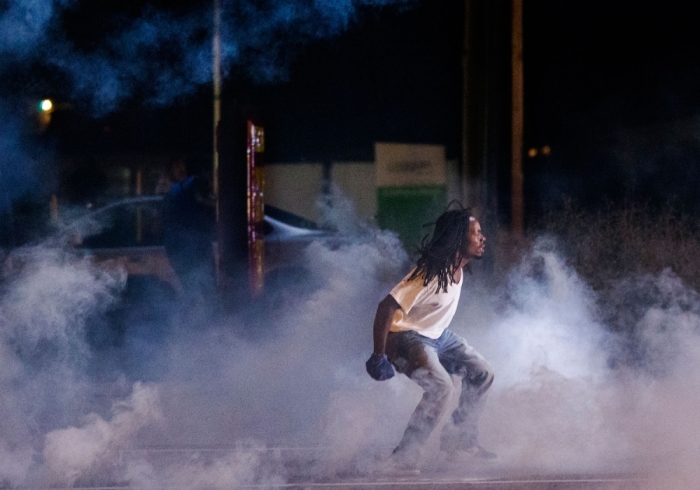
(406, 209)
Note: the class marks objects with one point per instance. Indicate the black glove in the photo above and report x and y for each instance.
(379, 367)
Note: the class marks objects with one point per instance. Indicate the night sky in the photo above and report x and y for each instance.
(396, 76)
(600, 78)
(393, 75)
(609, 85)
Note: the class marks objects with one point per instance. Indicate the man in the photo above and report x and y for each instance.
(410, 333)
(189, 231)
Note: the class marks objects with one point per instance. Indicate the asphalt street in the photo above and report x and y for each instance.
(300, 468)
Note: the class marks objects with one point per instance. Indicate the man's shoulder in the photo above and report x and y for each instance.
(411, 282)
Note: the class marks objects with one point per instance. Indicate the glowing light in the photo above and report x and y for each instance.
(546, 150)
(46, 105)
(532, 152)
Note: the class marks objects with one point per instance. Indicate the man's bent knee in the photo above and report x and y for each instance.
(429, 378)
(482, 380)
(436, 386)
(443, 387)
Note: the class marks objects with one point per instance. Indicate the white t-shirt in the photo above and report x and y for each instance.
(422, 310)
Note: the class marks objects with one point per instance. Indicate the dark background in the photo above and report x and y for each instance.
(610, 86)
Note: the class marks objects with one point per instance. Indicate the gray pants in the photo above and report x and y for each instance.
(431, 363)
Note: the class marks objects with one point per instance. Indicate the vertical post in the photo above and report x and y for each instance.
(139, 211)
(216, 80)
(255, 207)
(53, 209)
(327, 187)
(216, 87)
(466, 193)
(517, 198)
(232, 228)
(139, 181)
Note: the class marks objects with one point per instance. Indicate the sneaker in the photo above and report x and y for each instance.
(402, 462)
(399, 467)
(479, 452)
(469, 454)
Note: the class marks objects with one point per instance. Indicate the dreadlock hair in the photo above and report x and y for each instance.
(441, 255)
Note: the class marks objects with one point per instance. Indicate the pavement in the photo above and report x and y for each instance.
(301, 468)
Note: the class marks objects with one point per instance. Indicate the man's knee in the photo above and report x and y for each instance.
(483, 379)
(444, 386)
(438, 387)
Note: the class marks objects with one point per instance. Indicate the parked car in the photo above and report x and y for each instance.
(130, 233)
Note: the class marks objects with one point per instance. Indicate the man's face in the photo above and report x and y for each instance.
(476, 241)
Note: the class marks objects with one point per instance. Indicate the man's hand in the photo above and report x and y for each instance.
(379, 367)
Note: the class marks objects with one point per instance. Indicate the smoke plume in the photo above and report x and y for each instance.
(591, 376)
(163, 55)
(279, 394)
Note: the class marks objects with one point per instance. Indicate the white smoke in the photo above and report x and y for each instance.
(567, 397)
(558, 404)
(93, 448)
(282, 395)
(47, 299)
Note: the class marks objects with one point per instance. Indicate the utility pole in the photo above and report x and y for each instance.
(517, 197)
(216, 81)
(216, 88)
(466, 191)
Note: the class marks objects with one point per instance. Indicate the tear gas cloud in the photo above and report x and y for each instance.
(17, 167)
(160, 57)
(24, 24)
(164, 55)
(584, 389)
(202, 400)
(574, 390)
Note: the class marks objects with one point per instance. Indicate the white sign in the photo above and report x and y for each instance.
(401, 164)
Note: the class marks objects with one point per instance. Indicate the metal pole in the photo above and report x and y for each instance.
(517, 197)
(216, 86)
(216, 55)
(464, 181)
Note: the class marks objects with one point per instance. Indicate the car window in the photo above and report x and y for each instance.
(128, 225)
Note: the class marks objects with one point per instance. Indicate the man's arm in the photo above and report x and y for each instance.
(382, 322)
(378, 366)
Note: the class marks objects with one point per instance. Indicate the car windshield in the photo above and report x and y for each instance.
(128, 225)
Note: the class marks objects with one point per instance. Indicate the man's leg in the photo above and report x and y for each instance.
(417, 357)
(477, 376)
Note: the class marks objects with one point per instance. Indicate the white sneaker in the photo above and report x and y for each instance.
(400, 463)
(473, 452)
(399, 467)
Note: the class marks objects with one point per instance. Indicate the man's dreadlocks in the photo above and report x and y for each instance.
(442, 254)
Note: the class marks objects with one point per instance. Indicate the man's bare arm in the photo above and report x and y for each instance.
(382, 322)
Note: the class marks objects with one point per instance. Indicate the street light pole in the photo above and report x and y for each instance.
(216, 86)
(517, 195)
(216, 55)
(467, 192)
